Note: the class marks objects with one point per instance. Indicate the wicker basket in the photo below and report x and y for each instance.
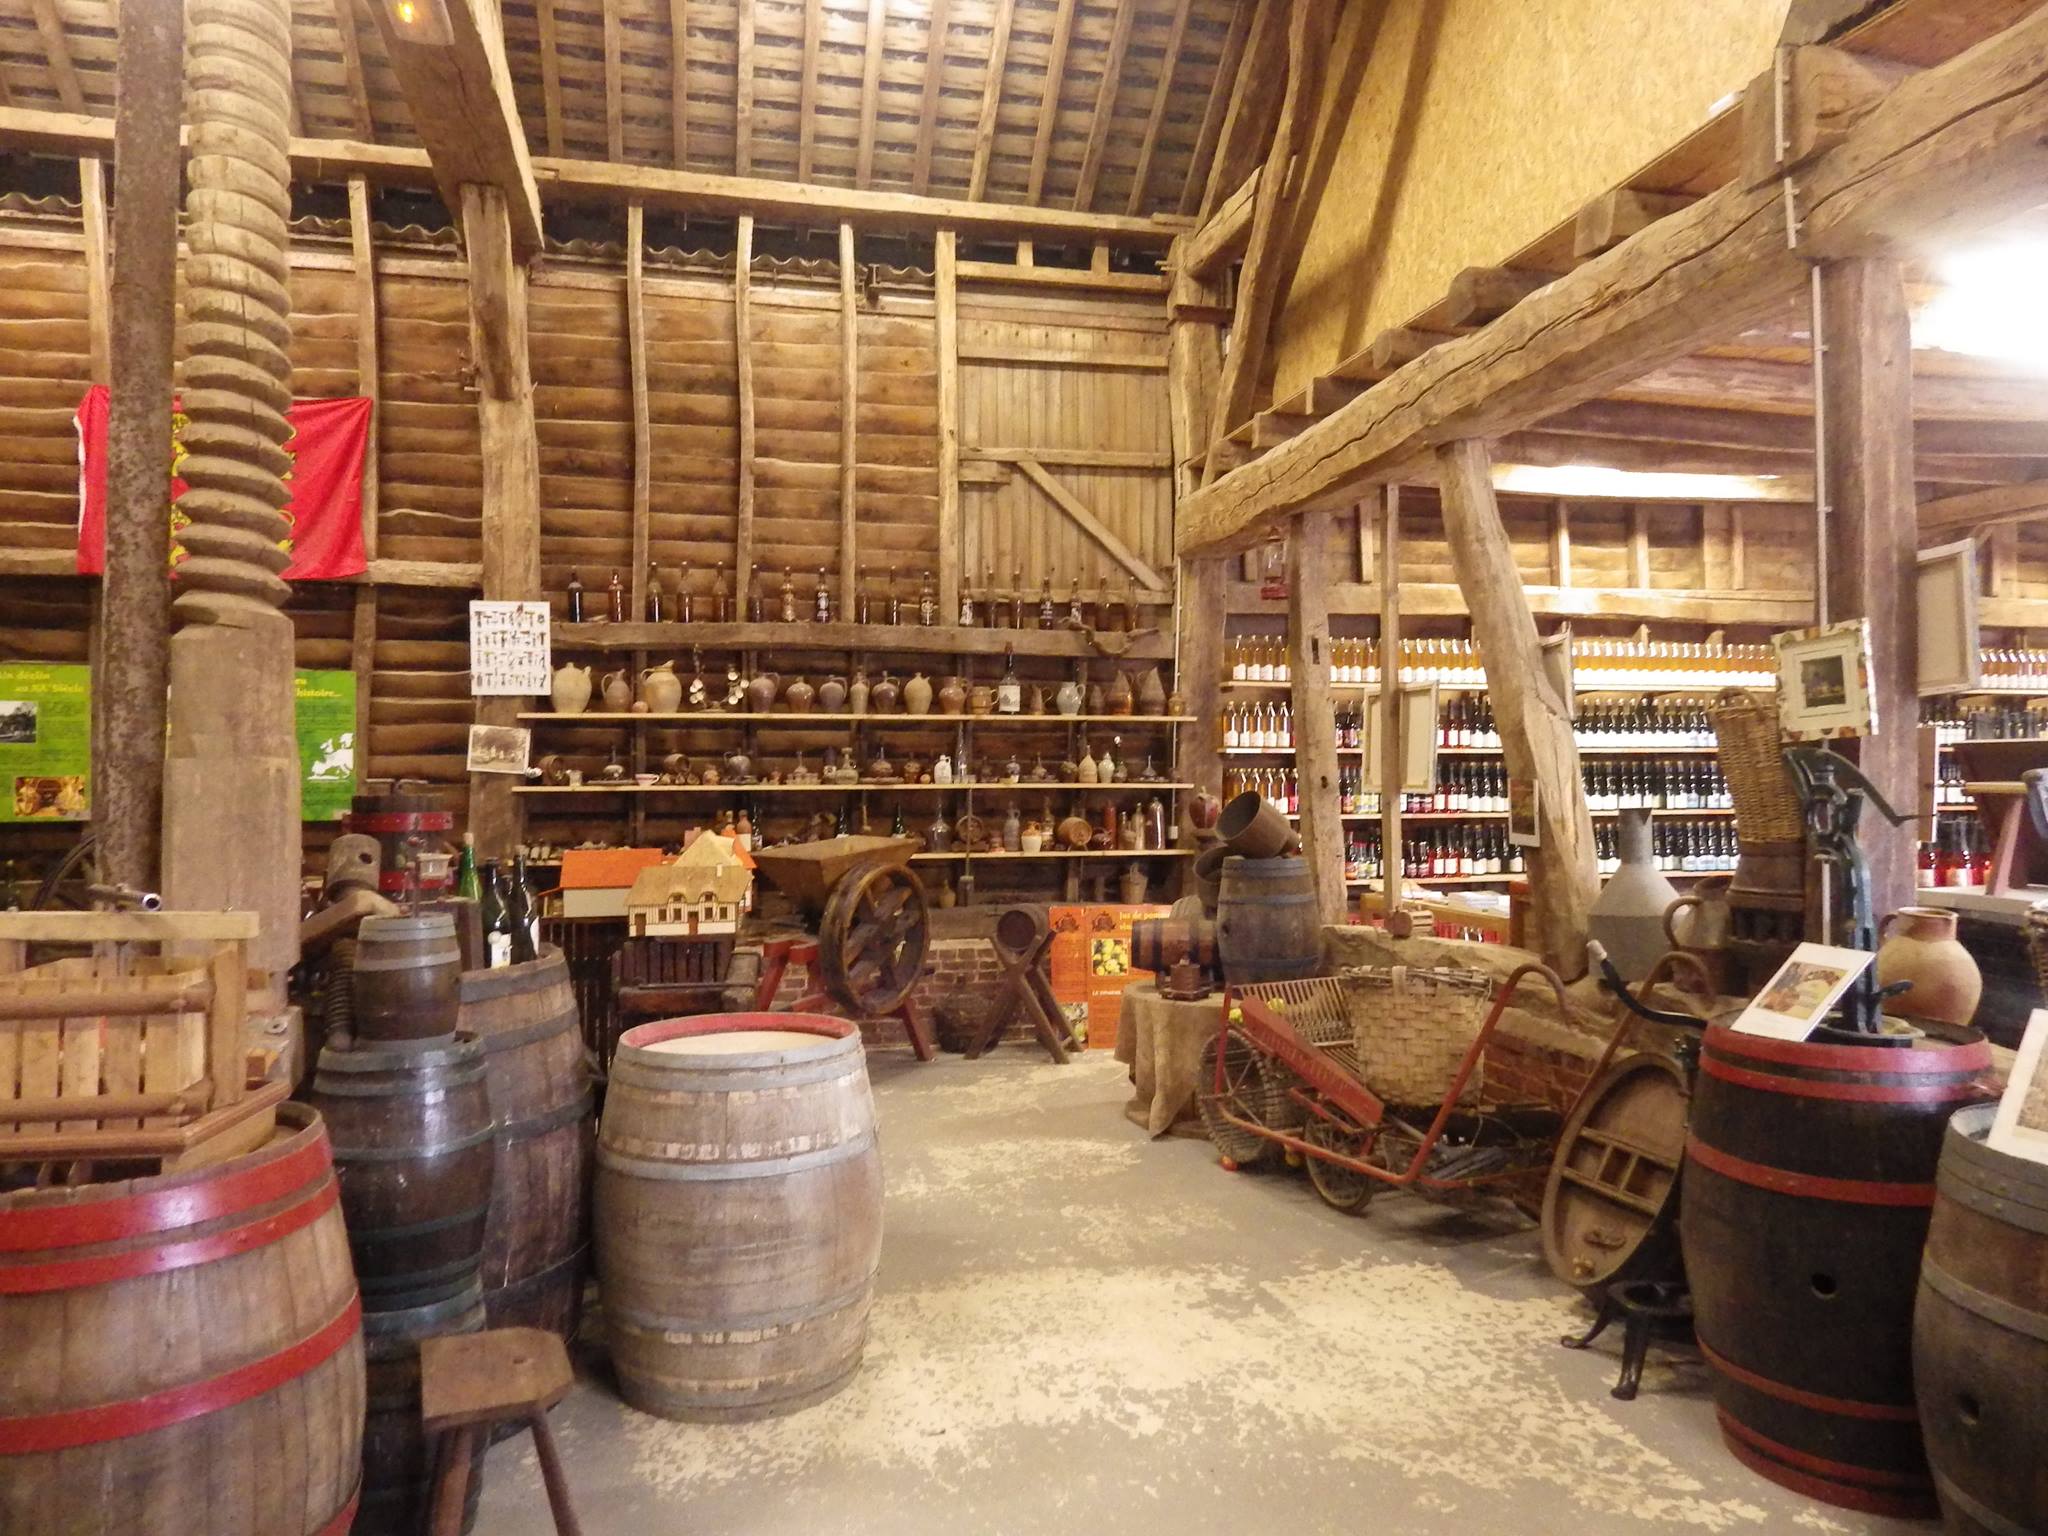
(1412, 1029)
(1766, 804)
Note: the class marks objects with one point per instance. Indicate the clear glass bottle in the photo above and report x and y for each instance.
(1009, 691)
(575, 596)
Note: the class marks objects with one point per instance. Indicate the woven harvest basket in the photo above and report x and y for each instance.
(1766, 804)
(1412, 1028)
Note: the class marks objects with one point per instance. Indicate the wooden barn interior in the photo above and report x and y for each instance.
(938, 765)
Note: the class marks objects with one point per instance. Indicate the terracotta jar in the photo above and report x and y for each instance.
(917, 695)
(762, 692)
(882, 697)
(1097, 703)
(1920, 945)
(952, 695)
(1151, 693)
(798, 696)
(660, 689)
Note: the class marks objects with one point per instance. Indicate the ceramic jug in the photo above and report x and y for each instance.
(798, 695)
(1131, 887)
(942, 770)
(981, 699)
(1068, 700)
(660, 689)
(857, 692)
(1013, 832)
(1151, 693)
(952, 695)
(618, 692)
(1628, 917)
(762, 692)
(1120, 696)
(571, 690)
(1085, 771)
(832, 694)
(917, 695)
(1919, 945)
(882, 697)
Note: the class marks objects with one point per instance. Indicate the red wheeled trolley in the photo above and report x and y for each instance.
(1289, 1077)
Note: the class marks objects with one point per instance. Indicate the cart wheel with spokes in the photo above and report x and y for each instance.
(1245, 1090)
(1342, 1188)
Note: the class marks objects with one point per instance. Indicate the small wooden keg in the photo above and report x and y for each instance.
(738, 1213)
(407, 977)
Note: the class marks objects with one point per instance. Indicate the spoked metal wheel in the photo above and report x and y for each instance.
(1248, 1092)
(1342, 1188)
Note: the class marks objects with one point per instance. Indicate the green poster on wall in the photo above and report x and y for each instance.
(327, 743)
(45, 742)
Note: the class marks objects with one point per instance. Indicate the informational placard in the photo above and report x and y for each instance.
(2020, 1126)
(1809, 983)
(508, 649)
(45, 742)
(327, 742)
(1091, 965)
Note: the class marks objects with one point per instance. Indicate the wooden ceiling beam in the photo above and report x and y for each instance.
(870, 90)
(1712, 381)
(614, 93)
(1613, 216)
(678, 79)
(1222, 88)
(1221, 240)
(1105, 107)
(928, 107)
(1955, 517)
(743, 89)
(550, 71)
(1949, 153)
(991, 97)
(57, 49)
(352, 68)
(1162, 92)
(460, 92)
(1049, 99)
(807, 87)
(1256, 89)
(1647, 421)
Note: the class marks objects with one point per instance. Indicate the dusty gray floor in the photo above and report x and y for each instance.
(1077, 1329)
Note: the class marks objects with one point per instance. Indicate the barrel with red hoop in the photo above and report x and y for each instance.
(405, 821)
(1809, 1178)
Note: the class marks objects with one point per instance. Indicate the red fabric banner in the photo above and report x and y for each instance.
(326, 507)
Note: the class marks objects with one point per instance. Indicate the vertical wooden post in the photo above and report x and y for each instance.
(743, 344)
(1535, 727)
(1866, 396)
(1639, 548)
(946, 297)
(1390, 697)
(128, 688)
(92, 207)
(511, 468)
(643, 434)
(1561, 543)
(1194, 364)
(1315, 721)
(363, 636)
(849, 423)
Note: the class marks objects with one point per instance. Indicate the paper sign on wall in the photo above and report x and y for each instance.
(508, 648)
(45, 742)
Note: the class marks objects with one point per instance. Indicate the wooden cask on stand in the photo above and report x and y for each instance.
(536, 1238)
(738, 1213)
(183, 1355)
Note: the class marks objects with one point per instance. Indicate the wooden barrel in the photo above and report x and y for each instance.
(539, 1076)
(1267, 924)
(183, 1355)
(1158, 943)
(406, 976)
(395, 813)
(398, 1461)
(738, 1213)
(1980, 1335)
(1809, 1175)
(412, 1144)
(1610, 1206)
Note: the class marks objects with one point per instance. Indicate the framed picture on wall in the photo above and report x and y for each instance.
(1824, 682)
(1950, 661)
(1418, 736)
(1525, 804)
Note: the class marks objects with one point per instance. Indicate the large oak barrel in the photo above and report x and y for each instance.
(1610, 1205)
(1980, 1335)
(535, 1242)
(1267, 925)
(404, 984)
(183, 1355)
(1808, 1178)
(412, 1135)
(738, 1213)
(398, 1459)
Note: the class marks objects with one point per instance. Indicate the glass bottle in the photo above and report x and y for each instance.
(965, 618)
(1009, 692)
(525, 914)
(721, 597)
(1048, 615)
(467, 885)
(991, 610)
(894, 605)
(653, 593)
(757, 607)
(575, 594)
(615, 594)
(1017, 598)
(1075, 618)
(927, 602)
(821, 599)
(497, 934)
(863, 609)
(788, 595)
(686, 603)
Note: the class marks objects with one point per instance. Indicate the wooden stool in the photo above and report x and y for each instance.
(471, 1381)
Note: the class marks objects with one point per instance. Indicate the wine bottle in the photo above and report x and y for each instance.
(1017, 597)
(788, 595)
(575, 593)
(524, 914)
(721, 597)
(686, 605)
(927, 602)
(1048, 614)
(894, 605)
(1009, 692)
(863, 608)
(497, 935)
(615, 593)
(821, 599)
(653, 593)
(467, 885)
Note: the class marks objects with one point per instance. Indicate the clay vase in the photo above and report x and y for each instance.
(882, 697)
(1919, 945)
(660, 689)
(1628, 918)
(952, 695)
(571, 689)
(1151, 693)
(857, 693)
(762, 691)
(798, 695)
(1068, 700)
(832, 694)
(1120, 696)
(618, 692)
(917, 695)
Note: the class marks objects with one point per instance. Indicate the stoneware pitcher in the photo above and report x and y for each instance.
(571, 689)
(1920, 945)
(618, 691)
(660, 689)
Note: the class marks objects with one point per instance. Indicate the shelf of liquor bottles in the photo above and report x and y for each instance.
(1598, 666)
(801, 720)
(1476, 849)
(740, 789)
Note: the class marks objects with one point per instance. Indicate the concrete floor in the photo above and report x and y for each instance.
(1078, 1329)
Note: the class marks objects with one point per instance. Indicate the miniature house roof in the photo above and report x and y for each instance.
(711, 849)
(601, 869)
(709, 877)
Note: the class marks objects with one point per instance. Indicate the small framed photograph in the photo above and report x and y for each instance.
(2021, 1125)
(499, 748)
(1950, 661)
(1809, 983)
(1824, 682)
(1525, 804)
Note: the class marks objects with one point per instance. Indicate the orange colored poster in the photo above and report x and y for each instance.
(1091, 965)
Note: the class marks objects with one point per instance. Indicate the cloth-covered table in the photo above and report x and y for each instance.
(1161, 1041)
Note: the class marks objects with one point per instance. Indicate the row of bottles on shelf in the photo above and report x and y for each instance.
(1267, 727)
(1453, 853)
(508, 904)
(775, 597)
(1949, 784)
(1959, 855)
(1676, 847)
(1983, 722)
(1468, 722)
(1654, 784)
(1597, 664)
(2013, 668)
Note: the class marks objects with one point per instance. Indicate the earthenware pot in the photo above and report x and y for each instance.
(917, 695)
(618, 692)
(857, 692)
(660, 689)
(832, 694)
(882, 697)
(571, 689)
(952, 695)
(1120, 696)
(762, 691)
(1151, 698)
(797, 696)
(1920, 946)
(981, 699)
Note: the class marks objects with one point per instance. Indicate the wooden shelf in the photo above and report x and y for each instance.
(1280, 751)
(821, 717)
(1592, 751)
(825, 789)
(1056, 853)
(935, 639)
